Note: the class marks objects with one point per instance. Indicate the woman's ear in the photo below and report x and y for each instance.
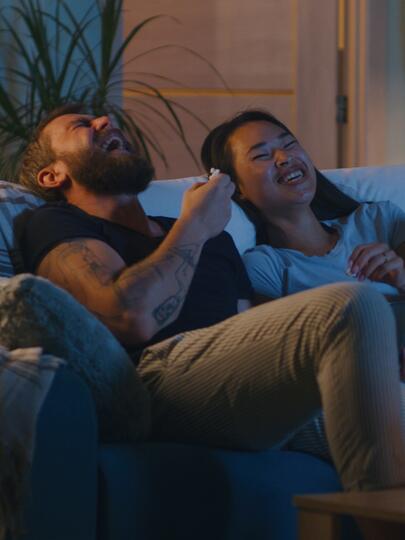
(238, 191)
(53, 176)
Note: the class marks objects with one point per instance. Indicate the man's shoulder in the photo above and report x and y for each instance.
(55, 207)
(51, 225)
(58, 215)
(57, 221)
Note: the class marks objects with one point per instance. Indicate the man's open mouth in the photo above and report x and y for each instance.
(113, 141)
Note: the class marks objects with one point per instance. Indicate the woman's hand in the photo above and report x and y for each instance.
(377, 262)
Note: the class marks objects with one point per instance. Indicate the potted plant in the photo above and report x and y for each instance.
(55, 62)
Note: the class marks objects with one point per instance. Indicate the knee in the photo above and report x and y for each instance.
(363, 306)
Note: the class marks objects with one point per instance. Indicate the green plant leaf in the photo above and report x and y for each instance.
(57, 62)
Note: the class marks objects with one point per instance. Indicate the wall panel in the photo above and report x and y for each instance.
(254, 45)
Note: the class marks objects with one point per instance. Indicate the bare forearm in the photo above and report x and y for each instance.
(133, 302)
(154, 289)
(136, 302)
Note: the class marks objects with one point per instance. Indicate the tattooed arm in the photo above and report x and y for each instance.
(136, 302)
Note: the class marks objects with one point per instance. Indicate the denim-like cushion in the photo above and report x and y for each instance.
(161, 491)
(34, 312)
(61, 503)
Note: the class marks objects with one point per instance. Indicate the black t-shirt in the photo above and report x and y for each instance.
(219, 281)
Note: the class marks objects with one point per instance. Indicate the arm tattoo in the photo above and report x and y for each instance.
(93, 265)
(164, 311)
(130, 286)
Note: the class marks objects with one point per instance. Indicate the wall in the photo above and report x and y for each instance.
(375, 83)
(273, 54)
(395, 92)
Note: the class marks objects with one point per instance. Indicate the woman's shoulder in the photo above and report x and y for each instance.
(266, 270)
(262, 250)
(380, 209)
(371, 210)
(264, 255)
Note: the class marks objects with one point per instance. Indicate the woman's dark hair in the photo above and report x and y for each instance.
(328, 203)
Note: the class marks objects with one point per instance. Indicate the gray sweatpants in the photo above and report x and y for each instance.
(252, 381)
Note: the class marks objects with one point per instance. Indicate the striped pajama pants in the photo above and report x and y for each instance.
(311, 438)
(252, 381)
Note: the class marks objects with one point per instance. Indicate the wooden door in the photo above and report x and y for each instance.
(280, 55)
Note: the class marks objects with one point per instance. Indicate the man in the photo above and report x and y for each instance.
(171, 293)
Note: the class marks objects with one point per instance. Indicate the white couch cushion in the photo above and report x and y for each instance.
(163, 197)
(371, 183)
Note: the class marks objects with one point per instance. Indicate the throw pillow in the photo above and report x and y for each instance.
(15, 204)
(34, 312)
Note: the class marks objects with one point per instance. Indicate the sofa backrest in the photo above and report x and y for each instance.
(163, 197)
(15, 201)
(371, 183)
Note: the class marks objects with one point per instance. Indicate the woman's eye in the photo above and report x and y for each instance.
(260, 156)
(290, 143)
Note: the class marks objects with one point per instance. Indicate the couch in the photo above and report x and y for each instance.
(82, 489)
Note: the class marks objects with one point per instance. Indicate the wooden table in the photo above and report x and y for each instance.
(383, 510)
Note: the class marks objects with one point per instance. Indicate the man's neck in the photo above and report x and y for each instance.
(125, 210)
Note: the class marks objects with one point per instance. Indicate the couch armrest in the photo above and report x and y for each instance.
(62, 499)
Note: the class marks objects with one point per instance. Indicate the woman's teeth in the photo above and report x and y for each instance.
(291, 177)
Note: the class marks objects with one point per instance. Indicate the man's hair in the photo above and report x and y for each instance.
(39, 153)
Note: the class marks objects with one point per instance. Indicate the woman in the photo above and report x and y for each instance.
(308, 232)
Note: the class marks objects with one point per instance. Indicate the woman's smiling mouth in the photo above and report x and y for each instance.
(292, 177)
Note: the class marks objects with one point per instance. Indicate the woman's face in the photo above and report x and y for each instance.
(273, 171)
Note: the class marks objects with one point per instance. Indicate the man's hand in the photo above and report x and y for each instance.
(206, 207)
(377, 262)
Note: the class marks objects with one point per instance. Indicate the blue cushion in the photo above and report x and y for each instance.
(62, 503)
(157, 491)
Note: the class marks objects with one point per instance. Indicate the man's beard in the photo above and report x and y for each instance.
(105, 173)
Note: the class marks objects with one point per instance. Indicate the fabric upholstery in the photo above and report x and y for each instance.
(62, 501)
(15, 201)
(26, 376)
(34, 312)
(163, 198)
(164, 491)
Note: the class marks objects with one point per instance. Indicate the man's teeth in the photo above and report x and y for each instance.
(295, 175)
(112, 143)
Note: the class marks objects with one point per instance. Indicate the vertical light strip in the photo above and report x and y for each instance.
(342, 25)
(294, 74)
(341, 77)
